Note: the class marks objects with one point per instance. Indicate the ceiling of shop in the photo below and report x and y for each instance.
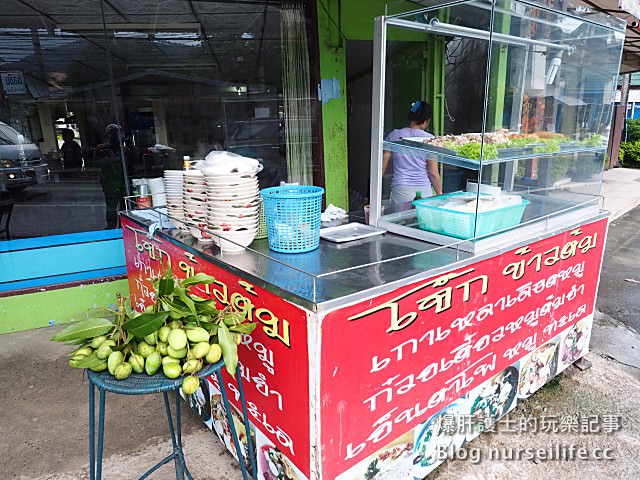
(217, 43)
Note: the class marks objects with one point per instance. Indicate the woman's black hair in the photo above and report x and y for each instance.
(420, 111)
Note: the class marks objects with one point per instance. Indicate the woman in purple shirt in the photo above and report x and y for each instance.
(412, 172)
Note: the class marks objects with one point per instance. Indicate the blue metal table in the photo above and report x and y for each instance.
(141, 384)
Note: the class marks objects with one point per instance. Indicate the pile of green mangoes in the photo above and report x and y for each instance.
(179, 333)
(176, 348)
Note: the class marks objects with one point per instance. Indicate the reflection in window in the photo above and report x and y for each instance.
(110, 101)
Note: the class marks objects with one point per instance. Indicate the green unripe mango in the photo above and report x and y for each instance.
(104, 350)
(152, 338)
(197, 335)
(214, 354)
(175, 324)
(200, 350)
(190, 366)
(99, 368)
(145, 349)
(97, 341)
(73, 362)
(166, 360)
(181, 353)
(190, 385)
(177, 339)
(162, 348)
(123, 371)
(163, 333)
(189, 325)
(152, 363)
(205, 318)
(137, 362)
(115, 359)
(172, 370)
(83, 352)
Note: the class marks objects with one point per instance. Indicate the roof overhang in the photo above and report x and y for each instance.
(628, 10)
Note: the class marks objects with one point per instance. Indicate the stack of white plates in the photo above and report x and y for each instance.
(233, 208)
(173, 191)
(194, 200)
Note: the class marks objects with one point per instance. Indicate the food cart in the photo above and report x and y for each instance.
(377, 357)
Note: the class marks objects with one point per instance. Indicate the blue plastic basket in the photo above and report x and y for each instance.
(454, 223)
(292, 214)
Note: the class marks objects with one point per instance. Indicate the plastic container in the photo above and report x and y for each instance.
(262, 225)
(292, 215)
(464, 225)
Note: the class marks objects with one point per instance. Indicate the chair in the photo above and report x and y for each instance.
(6, 206)
(140, 384)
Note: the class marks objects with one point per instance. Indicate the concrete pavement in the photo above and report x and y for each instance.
(44, 405)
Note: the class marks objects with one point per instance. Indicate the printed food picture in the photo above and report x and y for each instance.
(273, 464)
(538, 369)
(393, 461)
(443, 432)
(492, 399)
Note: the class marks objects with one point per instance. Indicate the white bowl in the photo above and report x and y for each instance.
(234, 213)
(235, 191)
(231, 182)
(218, 224)
(200, 235)
(228, 241)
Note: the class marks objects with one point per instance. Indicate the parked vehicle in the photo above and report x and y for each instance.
(21, 162)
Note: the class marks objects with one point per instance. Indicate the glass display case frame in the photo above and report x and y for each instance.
(551, 163)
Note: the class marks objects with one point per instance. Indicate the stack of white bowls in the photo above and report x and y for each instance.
(173, 191)
(194, 200)
(233, 210)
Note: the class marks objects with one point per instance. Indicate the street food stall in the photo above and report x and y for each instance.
(387, 348)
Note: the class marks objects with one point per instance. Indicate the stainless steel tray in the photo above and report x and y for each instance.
(349, 232)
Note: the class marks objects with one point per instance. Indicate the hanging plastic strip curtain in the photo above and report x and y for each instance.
(295, 84)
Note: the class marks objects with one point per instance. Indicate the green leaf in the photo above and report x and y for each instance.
(182, 294)
(84, 329)
(229, 349)
(198, 279)
(208, 307)
(165, 286)
(145, 323)
(233, 318)
(243, 327)
(210, 327)
(177, 311)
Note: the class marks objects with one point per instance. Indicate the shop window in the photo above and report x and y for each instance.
(91, 106)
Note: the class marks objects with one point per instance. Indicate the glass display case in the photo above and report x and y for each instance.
(521, 98)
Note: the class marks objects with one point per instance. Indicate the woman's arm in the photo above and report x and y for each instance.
(386, 156)
(434, 176)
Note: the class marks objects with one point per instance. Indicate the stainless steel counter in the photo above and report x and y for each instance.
(335, 273)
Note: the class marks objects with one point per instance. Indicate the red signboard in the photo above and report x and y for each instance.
(273, 359)
(391, 362)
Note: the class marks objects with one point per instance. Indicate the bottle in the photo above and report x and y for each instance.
(186, 162)
(417, 197)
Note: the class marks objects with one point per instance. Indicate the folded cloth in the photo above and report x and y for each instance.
(158, 218)
(333, 213)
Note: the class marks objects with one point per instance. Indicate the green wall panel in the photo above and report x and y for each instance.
(53, 307)
(334, 105)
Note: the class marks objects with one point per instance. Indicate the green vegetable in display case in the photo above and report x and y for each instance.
(473, 150)
(179, 333)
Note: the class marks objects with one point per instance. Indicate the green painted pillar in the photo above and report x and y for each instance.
(333, 85)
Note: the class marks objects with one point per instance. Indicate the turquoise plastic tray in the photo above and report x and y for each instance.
(464, 225)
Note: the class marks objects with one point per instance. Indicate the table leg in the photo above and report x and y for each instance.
(245, 417)
(100, 434)
(92, 432)
(232, 426)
